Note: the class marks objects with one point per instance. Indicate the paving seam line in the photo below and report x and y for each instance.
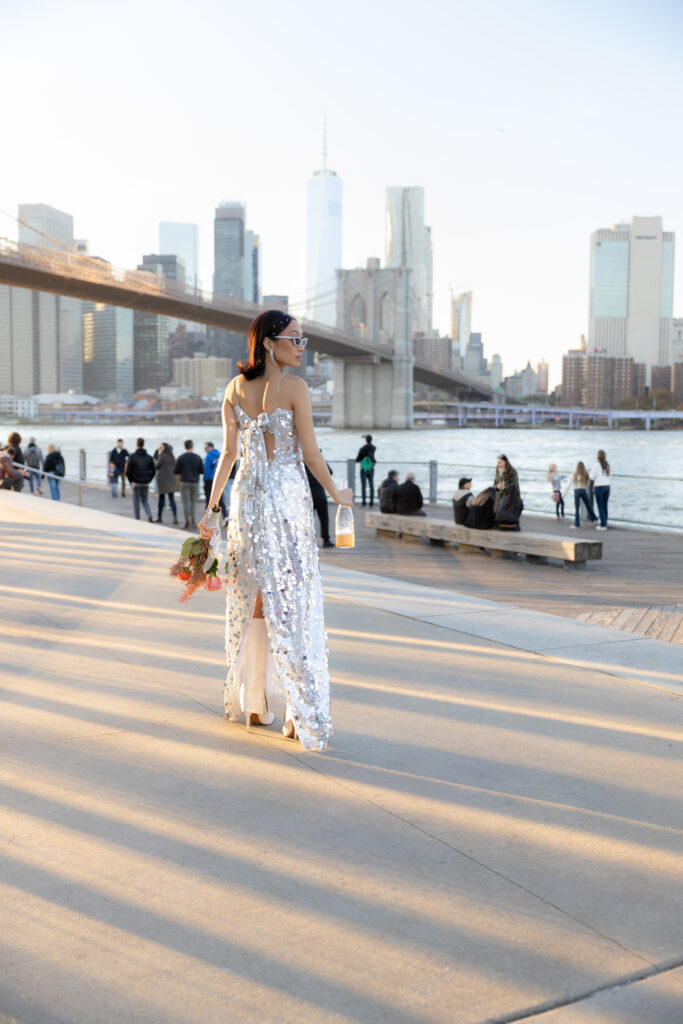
(630, 979)
(615, 674)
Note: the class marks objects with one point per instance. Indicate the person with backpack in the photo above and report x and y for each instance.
(54, 464)
(34, 463)
(140, 472)
(366, 457)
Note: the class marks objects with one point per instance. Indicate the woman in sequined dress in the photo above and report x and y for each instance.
(275, 634)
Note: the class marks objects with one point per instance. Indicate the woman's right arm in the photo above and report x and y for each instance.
(303, 416)
(225, 463)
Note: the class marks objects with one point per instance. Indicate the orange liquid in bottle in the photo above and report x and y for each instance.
(344, 540)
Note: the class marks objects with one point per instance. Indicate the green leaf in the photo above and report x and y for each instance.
(186, 549)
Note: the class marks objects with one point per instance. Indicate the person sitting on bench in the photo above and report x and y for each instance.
(462, 499)
(409, 498)
(387, 492)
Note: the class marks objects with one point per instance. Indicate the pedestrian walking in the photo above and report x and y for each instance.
(140, 471)
(320, 505)
(409, 498)
(462, 499)
(190, 468)
(600, 475)
(366, 457)
(164, 463)
(580, 481)
(555, 480)
(34, 463)
(275, 633)
(118, 457)
(54, 464)
(211, 457)
(387, 492)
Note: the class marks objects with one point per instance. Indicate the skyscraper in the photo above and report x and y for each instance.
(229, 231)
(323, 242)
(631, 291)
(177, 239)
(151, 361)
(408, 244)
(107, 350)
(252, 267)
(41, 341)
(461, 323)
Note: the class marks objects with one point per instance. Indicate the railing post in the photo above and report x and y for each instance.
(433, 469)
(351, 475)
(81, 466)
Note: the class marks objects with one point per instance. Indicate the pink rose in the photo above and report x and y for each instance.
(212, 583)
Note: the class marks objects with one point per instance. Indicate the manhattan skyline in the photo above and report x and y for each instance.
(539, 127)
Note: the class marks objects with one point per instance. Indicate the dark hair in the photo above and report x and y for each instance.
(14, 438)
(10, 451)
(119, 439)
(508, 467)
(368, 438)
(210, 444)
(266, 325)
(602, 459)
(140, 442)
(189, 444)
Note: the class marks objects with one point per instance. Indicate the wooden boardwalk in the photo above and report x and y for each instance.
(661, 622)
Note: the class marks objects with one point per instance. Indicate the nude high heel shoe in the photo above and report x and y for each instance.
(288, 729)
(253, 688)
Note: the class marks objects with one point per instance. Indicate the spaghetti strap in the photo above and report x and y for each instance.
(277, 393)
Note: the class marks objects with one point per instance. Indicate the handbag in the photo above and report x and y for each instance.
(556, 496)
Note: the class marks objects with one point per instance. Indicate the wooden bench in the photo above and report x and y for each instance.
(536, 546)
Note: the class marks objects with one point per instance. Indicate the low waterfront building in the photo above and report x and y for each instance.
(204, 375)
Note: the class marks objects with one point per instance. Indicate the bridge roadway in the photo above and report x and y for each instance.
(88, 278)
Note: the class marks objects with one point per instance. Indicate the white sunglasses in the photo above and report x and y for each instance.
(297, 342)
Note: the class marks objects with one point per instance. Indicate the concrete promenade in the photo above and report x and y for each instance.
(495, 833)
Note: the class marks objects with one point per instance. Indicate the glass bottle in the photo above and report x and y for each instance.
(344, 534)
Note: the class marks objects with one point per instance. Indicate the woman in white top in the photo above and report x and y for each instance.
(599, 474)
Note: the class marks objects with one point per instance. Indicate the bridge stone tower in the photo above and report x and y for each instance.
(375, 304)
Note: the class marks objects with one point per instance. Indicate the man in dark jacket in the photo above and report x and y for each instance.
(140, 472)
(320, 505)
(366, 457)
(190, 468)
(118, 457)
(409, 498)
(387, 492)
(462, 499)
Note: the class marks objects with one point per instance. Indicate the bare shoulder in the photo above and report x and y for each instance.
(294, 387)
(231, 389)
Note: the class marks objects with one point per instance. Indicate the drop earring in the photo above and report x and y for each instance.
(272, 357)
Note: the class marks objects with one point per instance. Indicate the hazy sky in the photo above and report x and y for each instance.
(528, 123)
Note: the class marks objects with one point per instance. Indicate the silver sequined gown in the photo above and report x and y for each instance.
(271, 548)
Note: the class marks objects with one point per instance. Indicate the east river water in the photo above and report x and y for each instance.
(647, 466)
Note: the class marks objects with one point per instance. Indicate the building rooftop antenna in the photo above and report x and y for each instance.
(325, 141)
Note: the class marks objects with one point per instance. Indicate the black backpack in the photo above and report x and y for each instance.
(32, 460)
(59, 465)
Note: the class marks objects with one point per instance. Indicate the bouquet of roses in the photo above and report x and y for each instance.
(198, 565)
